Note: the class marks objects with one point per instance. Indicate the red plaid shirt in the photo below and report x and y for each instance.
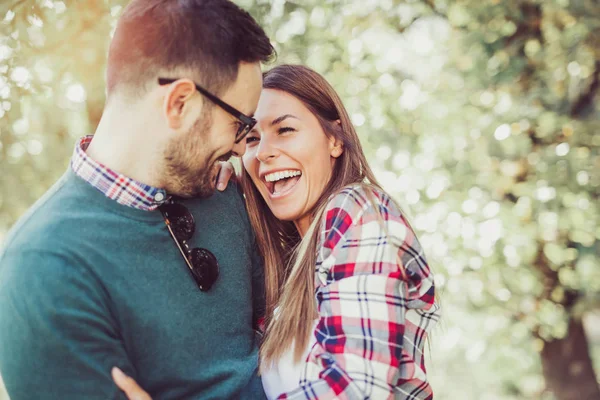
(376, 304)
(115, 186)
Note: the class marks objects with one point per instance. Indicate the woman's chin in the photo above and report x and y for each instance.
(284, 214)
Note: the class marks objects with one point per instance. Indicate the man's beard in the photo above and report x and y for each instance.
(189, 171)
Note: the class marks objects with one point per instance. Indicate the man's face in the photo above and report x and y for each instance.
(192, 160)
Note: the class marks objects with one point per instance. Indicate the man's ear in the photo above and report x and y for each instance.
(176, 102)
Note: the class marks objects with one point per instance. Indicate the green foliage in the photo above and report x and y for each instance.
(480, 117)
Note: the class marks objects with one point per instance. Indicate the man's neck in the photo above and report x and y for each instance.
(124, 143)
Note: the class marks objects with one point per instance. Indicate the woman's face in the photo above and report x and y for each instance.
(289, 157)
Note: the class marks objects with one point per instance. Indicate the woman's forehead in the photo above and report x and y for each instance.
(274, 103)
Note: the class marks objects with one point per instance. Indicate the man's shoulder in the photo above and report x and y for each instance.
(49, 223)
(230, 197)
(222, 205)
(43, 250)
(33, 223)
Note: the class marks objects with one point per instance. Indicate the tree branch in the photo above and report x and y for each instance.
(587, 98)
(434, 10)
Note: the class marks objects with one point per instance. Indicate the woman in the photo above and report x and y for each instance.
(357, 297)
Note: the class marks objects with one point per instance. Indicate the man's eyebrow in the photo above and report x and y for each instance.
(280, 119)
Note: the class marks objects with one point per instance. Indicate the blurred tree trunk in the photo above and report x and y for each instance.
(567, 366)
(566, 363)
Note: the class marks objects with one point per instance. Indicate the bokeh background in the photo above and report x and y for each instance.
(481, 117)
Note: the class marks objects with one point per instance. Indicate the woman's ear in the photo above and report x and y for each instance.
(337, 151)
(336, 147)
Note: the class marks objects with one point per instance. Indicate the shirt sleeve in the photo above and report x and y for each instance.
(58, 339)
(363, 292)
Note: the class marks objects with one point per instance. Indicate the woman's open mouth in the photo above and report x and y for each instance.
(281, 183)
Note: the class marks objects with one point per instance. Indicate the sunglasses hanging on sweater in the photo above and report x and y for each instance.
(202, 263)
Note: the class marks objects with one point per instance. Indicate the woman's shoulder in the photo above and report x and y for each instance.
(366, 212)
(364, 215)
(360, 199)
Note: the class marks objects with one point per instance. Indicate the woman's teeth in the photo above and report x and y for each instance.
(280, 181)
(276, 176)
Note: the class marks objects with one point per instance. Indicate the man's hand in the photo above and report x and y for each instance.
(226, 173)
(127, 384)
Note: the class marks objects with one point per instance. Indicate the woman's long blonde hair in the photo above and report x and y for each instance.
(290, 260)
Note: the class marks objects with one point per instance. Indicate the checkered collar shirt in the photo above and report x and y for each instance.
(115, 186)
(376, 302)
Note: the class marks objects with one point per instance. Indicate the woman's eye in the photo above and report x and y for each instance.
(285, 129)
(250, 139)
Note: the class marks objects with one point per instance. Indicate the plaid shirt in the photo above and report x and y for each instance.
(113, 185)
(376, 304)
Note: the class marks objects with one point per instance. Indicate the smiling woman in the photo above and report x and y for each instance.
(289, 157)
(350, 297)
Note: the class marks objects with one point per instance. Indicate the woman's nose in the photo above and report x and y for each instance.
(266, 151)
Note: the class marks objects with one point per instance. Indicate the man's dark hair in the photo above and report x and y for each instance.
(205, 38)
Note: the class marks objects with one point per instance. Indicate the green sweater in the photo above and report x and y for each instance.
(87, 284)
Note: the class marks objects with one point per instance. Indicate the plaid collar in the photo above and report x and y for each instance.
(113, 185)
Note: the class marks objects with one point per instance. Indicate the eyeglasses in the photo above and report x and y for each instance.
(181, 225)
(246, 122)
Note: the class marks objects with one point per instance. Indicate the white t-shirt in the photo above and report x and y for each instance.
(283, 376)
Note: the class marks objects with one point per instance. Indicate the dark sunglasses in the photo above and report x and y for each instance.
(181, 225)
(246, 122)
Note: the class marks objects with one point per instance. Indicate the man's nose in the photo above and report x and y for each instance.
(239, 148)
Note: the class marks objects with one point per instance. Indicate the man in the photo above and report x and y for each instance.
(109, 268)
